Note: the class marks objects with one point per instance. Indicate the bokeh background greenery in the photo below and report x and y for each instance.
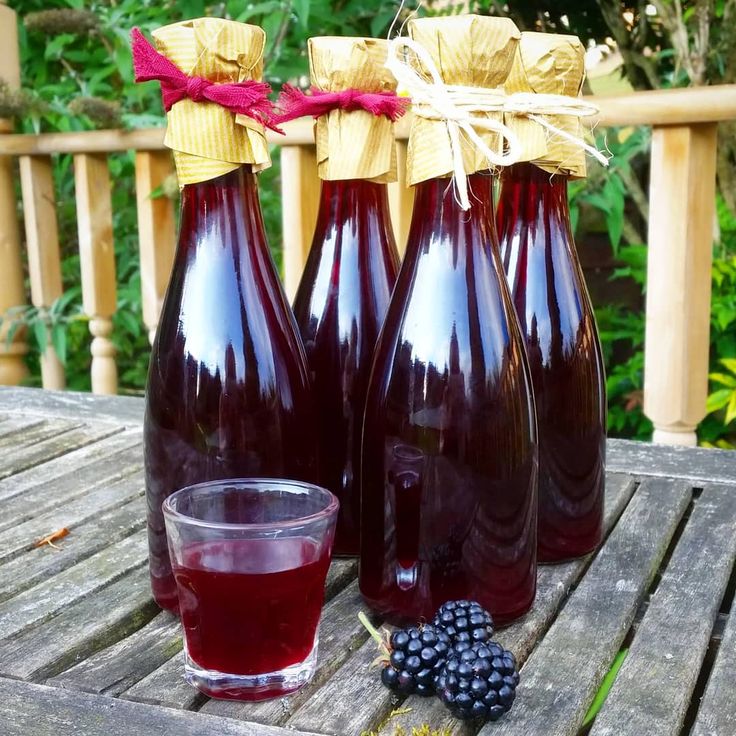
(77, 75)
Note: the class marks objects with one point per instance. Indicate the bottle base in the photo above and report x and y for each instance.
(165, 599)
(558, 556)
(225, 686)
(396, 618)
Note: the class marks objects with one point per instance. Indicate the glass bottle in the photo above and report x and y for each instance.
(339, 308)
(228, 392)
(556, 317)
(449, 445)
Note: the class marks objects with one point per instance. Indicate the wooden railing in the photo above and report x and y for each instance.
(681, 226)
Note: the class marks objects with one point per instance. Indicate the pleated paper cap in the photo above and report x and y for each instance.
(470, 51)
(208, 140)
(353, 144)
(553, 64)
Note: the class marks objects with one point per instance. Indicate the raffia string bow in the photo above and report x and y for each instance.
(461, 108)
(293, 103)
(456, 106)
(247, 98)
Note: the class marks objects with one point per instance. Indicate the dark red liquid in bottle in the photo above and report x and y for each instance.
(565, 359)
(228, 393)
(449, 445)
(251, 606)
(340, 307)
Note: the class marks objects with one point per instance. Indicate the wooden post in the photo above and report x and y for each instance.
(156, 232)
(12, 294)
(401, 199)
(97, 262)
(681, 222)
(42, 239)
(300, 188)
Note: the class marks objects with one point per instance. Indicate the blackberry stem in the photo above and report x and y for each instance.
(372, 630)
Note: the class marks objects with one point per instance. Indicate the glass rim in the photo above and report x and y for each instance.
(331, 508)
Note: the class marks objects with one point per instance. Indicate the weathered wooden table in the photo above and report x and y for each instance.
(84, 650)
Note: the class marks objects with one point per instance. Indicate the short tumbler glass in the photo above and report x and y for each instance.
(250, 558)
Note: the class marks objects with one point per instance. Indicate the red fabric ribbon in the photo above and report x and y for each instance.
(293, 103)
(243, 98)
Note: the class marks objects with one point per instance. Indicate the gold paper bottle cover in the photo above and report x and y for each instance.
(209, 140)
(468, 51)
(551, 64)
(353, 144)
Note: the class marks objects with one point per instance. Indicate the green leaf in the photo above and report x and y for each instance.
(717, 400)
(39, 333)
(730, 363)
(605, 688)
(724, 379)
(301, 9)
(598, 201)
(731, 410)
(574, 217)
(58, 340)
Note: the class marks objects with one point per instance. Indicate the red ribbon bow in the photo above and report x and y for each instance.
(243, 98)
(293, 103)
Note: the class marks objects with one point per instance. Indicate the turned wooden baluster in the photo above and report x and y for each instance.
(42, 242)
(156, 232)
(12, 294)
(97, 259)
(681, 222)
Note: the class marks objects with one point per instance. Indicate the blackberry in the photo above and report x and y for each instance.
(416, 658)
(479, 682)
(465, 622)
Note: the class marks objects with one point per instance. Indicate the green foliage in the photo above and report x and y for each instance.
(622, 332)
(605, 688)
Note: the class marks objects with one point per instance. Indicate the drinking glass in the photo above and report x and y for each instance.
(250, 558)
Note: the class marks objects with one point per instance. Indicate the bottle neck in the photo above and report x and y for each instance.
(437, 210)
(532, 197)
(224, 211)
(351, 200)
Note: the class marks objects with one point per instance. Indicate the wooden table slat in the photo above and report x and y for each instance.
(352, 700)
(166, 686)
(80, 629)
(113, 670)
(84, 540)
(39, 603)
(109, 494)
(73, 474)
(697, 464)
(563, 673)
(47, 711)
(17, 459)
(37, 432)
(76, 405)
(717, 712)
(553, 584)
(652, 690)
(17, 424)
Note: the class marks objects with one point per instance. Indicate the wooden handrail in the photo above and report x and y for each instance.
(660, 107)
(682, 211)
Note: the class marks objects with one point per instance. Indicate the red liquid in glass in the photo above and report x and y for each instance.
(449, 445)
(339, 307)
(565, 359)
(250, 607)
(228, 393)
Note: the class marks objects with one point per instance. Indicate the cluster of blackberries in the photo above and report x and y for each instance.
(455, 658)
